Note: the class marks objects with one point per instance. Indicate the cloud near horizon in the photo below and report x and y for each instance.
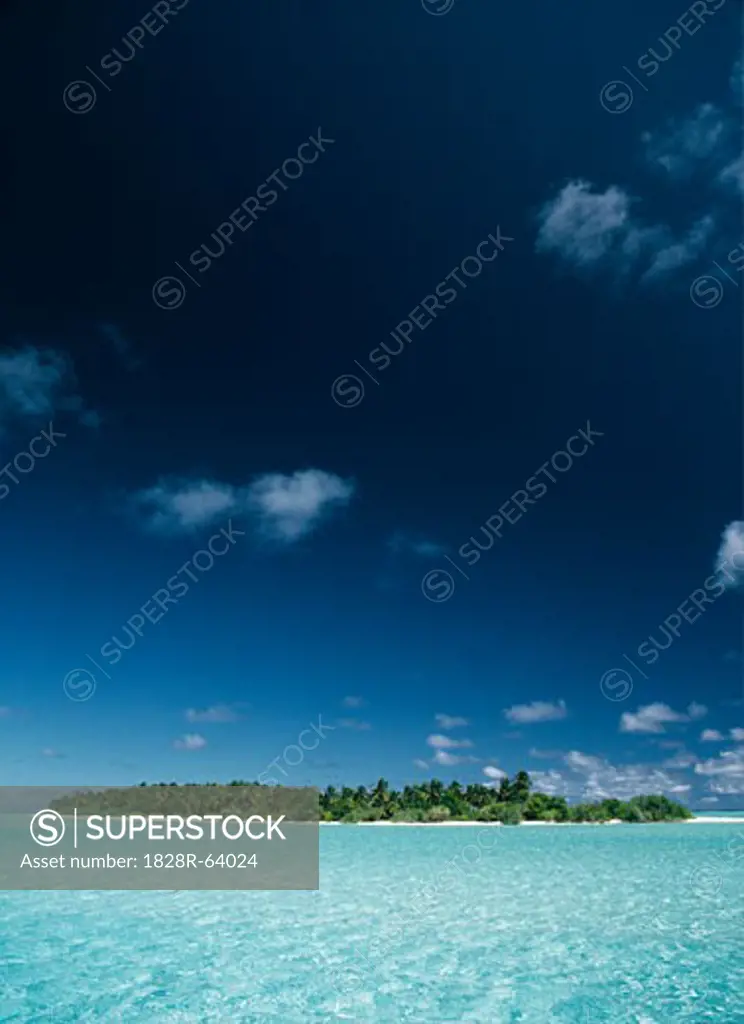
(190, 741)
(594, 778)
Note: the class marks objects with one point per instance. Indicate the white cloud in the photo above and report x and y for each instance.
(733, 174)
(36, 383)
(552, 783)
(653, 717)
(728, 788)
(737, 734)
(584, 226)
(353, 702)
(708, 140)
(175, 506)
(450, 721)
(494, 773)
(710, 736)
(289, 507)
(730, 763)
(677, 254)
(537, 711)
(730, 557)
(593, 778)
(284, 507)
(217, 713)
(191, 741)
(353, 723)
(683, 759)
(589, 229)
(421, 764)
(449, 760)
(436, 740)
(50, 752)
(684, 145)
(709, 800)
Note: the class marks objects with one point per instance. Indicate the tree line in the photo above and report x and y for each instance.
(510, 803)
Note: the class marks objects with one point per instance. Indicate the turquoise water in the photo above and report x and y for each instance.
(578, 925)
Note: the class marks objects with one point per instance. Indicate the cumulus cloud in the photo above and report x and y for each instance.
(737, 734)
(710, 735)
(593, 778)
(537, 711)
(421, 764)
(652, 718)
(446, 742)
(216, 713)
(730, 557)
(725, 773)
(291, 506)
(450, 721)
(283, 507)
(190, 741)
(683, 146)
(494, 773)
(673, 254)
(582, 225)
(449, 760)
(35, 384)
(707, 141)
(591, 229)
(180, 506)
(683, 759)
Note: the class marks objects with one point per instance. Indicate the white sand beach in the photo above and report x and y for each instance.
(722, 820)
(718, 820)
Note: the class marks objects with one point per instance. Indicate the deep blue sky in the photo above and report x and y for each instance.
(445, 129)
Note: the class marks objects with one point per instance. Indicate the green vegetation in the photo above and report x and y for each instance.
(241, 798)
(510, 804)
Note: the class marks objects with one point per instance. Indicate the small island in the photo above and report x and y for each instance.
(512, 803)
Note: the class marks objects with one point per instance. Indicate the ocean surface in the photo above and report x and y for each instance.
(578, 925)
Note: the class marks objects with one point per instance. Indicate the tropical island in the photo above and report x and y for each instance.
(511, 803)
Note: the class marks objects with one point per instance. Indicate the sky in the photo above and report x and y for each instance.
(371, 395)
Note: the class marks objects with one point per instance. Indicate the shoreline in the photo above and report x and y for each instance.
(722, 820)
